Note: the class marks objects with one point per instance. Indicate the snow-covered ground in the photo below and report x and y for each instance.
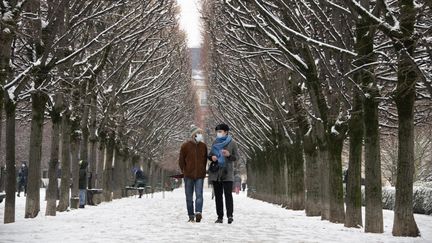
(161, 219)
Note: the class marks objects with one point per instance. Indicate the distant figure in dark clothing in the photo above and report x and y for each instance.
(82, 184)
(140, 181)
(22, 179)
(237, 182)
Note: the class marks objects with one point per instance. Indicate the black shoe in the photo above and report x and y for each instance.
(18, 195)
(198, 217)
(81, 206)
(219, 221)
(230, 220)
(191, 219)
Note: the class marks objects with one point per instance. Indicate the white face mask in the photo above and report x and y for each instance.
(220, 134)
(199, 137)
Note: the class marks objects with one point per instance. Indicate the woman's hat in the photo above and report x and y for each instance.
(222, 126)
(194, 130)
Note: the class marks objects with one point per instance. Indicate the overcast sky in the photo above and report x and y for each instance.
(190, 21)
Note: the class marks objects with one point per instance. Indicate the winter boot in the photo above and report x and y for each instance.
(230, 220)
(191, 219)
(198, 217)
(219, 221)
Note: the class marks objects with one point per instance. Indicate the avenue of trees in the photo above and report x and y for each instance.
(111, 77)
(302, 81)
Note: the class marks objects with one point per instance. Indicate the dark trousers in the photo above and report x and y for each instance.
(223, 187)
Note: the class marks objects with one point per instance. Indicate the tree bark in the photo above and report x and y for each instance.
(65, 163)
(337, 211)
(298, 193)
(100, 166)
(93, 143)
(117, 174)
(373, 190)
(108, 169)
(9, 214)
(353, 217)
(34, 172)
(75, 162)
(404, 223)
(313, 196)
(52, 190)
(324, 182)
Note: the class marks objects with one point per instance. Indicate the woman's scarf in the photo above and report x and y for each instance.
(217, 147)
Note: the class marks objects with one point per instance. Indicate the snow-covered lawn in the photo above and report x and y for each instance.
(161, 219)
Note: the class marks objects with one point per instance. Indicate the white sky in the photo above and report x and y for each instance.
(190, 21)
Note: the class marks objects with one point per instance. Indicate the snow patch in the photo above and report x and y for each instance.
(334, 131)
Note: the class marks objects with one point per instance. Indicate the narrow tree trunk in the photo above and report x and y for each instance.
(9, 214)
(65, 164)
(373, 191)
(100, 165)
(313, 171)
(404, 223)
(51, 193)
(34, 177)
(337, 211)
(323, 156)
(117, 174)
(2, 165)
(75, 164)
(108, 170)
(93, 143)
(353, 217)
(298, 193)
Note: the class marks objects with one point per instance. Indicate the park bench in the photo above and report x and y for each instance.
(90, 195)
(147, 190)
(2, 196)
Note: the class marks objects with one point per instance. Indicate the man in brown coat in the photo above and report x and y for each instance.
(192, 162)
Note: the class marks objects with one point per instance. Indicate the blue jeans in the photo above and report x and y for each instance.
(82, 197)
(190, 186)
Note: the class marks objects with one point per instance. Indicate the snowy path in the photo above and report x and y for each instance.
(165, 220)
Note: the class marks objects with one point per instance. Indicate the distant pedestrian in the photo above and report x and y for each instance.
(221, 172)
(22, 179)
(82, 183)
(193, 162)
(140, 181)
(237, 182)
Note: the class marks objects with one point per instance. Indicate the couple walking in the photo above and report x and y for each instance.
(193, 161)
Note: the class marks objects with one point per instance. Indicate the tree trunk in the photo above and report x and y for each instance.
(323, 156)
(353, 217)
(108, 170)
(9, 214)
(93, 144)
(373, 190)
(313, 171)
(34, 172)
(51, 193)
(100, 166)
(404, 223)
(65, 164)
(117, 174)
(75, 164)
(337, 211)
(298, 193)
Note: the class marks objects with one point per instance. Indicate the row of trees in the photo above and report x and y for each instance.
(112, 77)
(298, 80)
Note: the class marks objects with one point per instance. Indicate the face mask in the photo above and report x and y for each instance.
(199, 137)
(220, 135)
